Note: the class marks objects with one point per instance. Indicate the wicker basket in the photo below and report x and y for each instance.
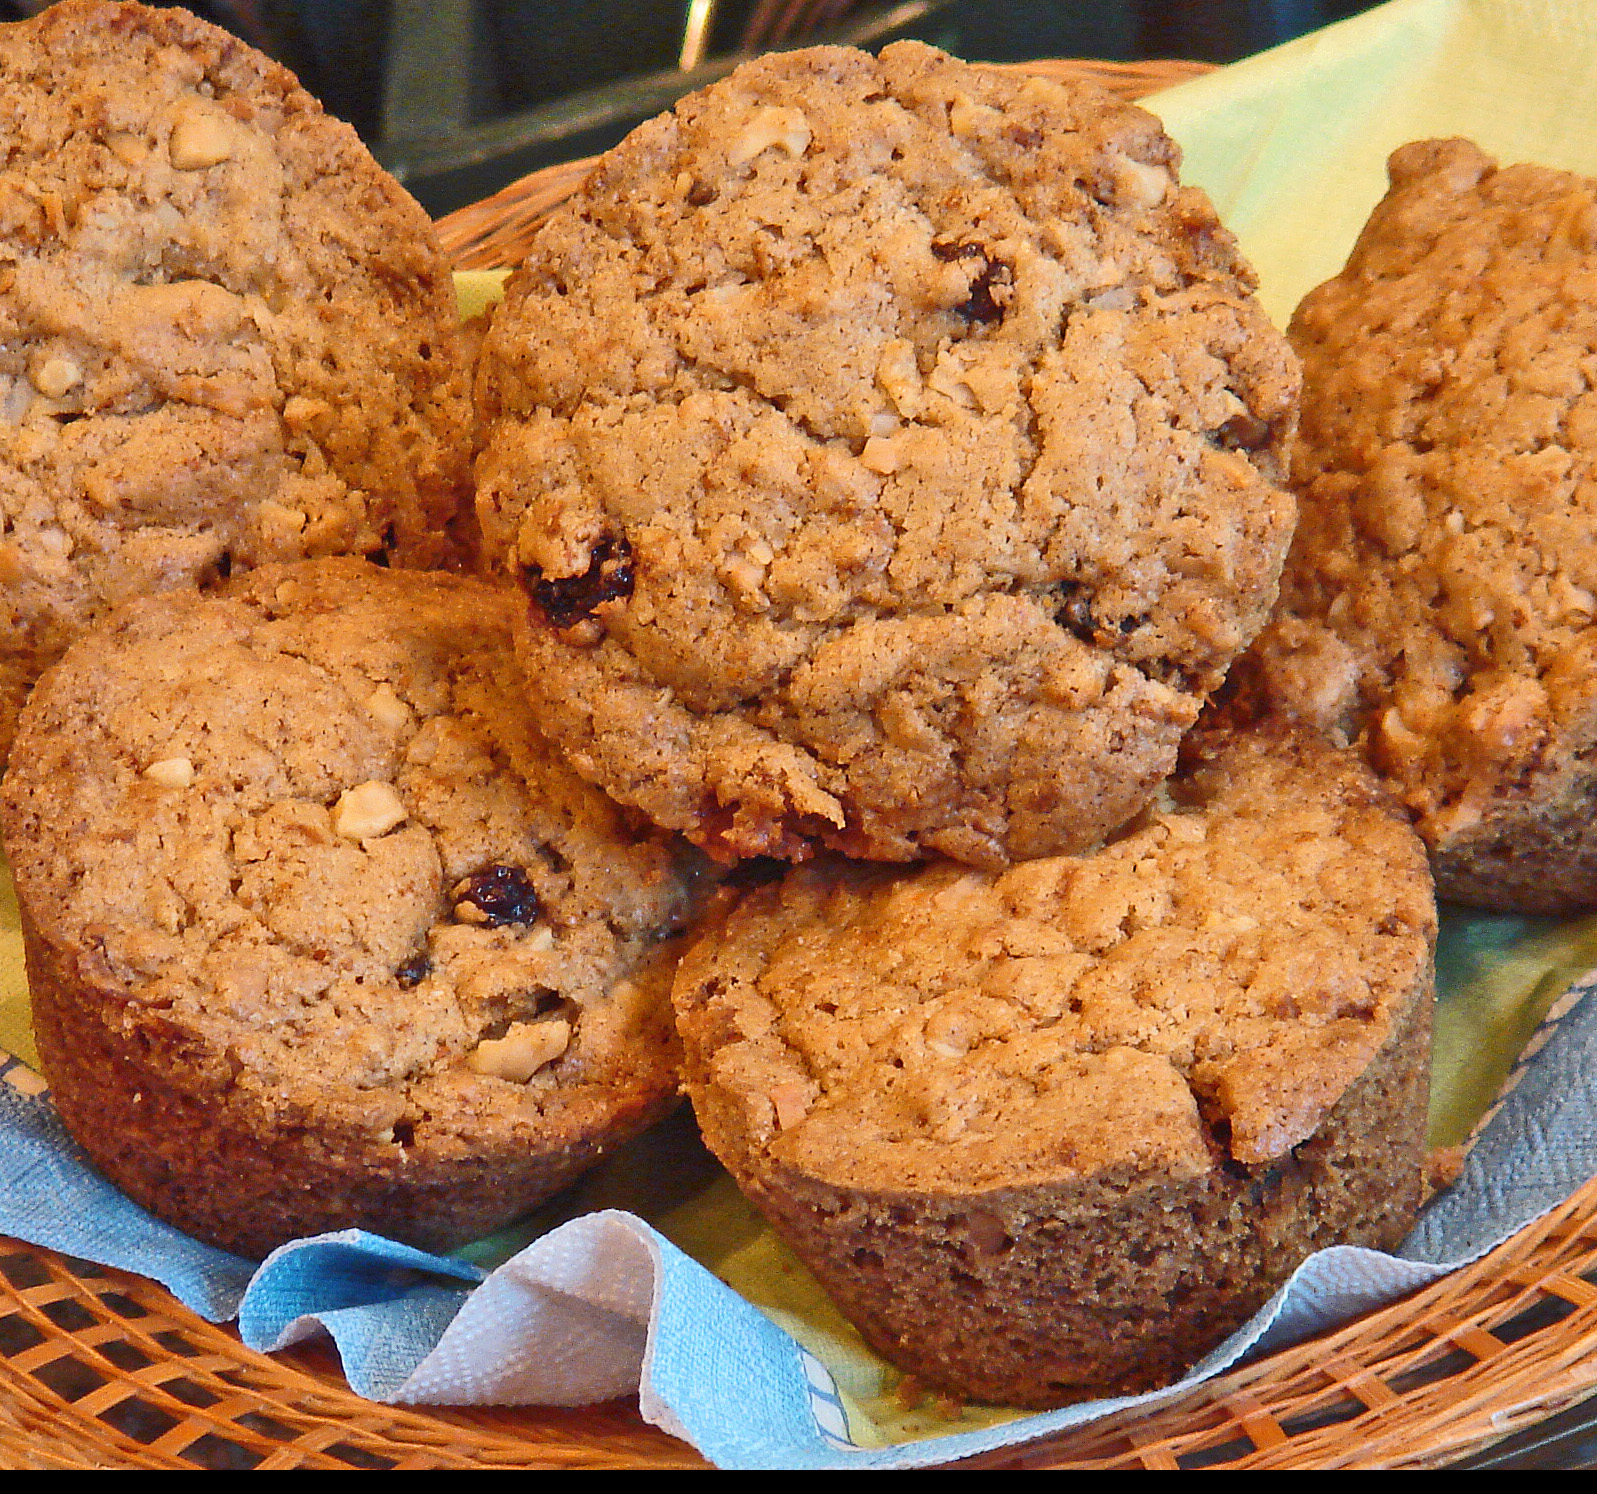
(103, 1370)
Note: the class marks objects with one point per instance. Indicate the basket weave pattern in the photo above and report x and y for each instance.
(99, 1369)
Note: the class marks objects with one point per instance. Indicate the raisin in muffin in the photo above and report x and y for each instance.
(890, 452)
(226, 335)
(1051, 1134)
(1439, 608)
(318, 933)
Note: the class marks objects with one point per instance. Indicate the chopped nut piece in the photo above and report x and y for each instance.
(199, 139)
(55, 376)
(371, 809)
(522, 1051)
(1116, 298)
(18, 397)
(742, 574)
(948, 380)
(1234, 469)
(128, 149)
(387, 709)
(787, 128)
(966, 116)
(300, 412)
(1139, 183)
(883, 455)
(171, 772)
(899, 376)
(791, 1103)
(278, 524)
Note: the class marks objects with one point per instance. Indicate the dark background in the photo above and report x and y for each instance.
(457, 97)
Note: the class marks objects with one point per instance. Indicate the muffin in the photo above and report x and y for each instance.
(1439, 608)
(226, 334)
(889, 451)
(319, 934)
(1050, 1134)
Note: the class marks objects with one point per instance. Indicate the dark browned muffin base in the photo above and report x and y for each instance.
(1041, 1296)
(223, 1169)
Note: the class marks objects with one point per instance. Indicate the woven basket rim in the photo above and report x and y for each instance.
(99, 1368)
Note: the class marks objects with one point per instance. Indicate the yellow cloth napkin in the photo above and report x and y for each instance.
(16, 1035)
(1292, 144)
(477, 290)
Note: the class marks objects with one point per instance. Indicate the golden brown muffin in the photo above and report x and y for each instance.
(227, 336)
(1051, 1134)
(1439, 608)
(890, 452)
(319, 934)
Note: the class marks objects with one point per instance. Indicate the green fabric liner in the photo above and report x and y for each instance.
(1496, 975)
(477, 290)
(1292, 144)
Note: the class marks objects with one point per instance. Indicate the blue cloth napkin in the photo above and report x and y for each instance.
(604, 1305)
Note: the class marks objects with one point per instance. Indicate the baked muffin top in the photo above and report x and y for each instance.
(1204, 988)
(889, 451)
(1440, 603)
(226, 335)
(305, 822)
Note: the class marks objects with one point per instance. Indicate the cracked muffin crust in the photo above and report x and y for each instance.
(1439, 608)
(1054, 1132)
(319, 933)
(226, 335)
(889, 451)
